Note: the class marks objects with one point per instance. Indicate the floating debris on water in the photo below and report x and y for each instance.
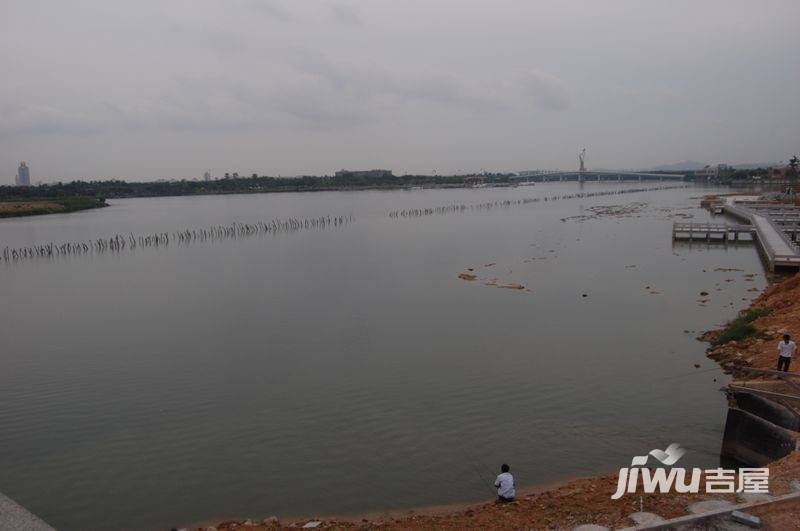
(511, 285)
(469, 276)
(602, 211)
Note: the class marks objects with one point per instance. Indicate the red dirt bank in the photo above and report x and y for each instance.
(760, 351)
(582, 501)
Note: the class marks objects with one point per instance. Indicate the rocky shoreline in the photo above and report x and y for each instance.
(579, 502)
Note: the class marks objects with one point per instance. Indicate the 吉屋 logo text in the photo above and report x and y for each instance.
(717, 480)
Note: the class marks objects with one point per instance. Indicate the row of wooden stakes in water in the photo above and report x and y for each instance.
(120, 242)
(457, 208)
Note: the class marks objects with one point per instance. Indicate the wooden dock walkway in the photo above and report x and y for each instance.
(709, 232)
(775, 228)
(775, 245)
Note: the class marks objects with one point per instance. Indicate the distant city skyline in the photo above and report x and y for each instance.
(290, 88)
(208, 175)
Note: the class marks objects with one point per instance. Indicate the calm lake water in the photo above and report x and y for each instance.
(350, 370)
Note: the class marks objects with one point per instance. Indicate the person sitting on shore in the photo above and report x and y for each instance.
(505, 485)
(785, 350)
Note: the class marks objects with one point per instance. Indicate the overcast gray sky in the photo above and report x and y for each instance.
(146, 89)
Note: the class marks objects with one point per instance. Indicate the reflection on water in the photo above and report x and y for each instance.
(352, 370)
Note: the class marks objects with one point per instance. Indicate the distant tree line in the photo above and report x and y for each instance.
(236, 184)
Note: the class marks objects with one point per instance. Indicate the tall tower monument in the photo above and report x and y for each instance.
(23, 175)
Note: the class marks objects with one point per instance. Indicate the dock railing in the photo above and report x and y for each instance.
(705, 231)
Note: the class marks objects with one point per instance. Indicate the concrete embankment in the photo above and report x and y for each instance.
(14, 517)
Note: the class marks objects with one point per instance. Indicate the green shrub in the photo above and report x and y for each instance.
(741, 327)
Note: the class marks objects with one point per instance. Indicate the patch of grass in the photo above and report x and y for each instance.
(34, 207)
(741, 327)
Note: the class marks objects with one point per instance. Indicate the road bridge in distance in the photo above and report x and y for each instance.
(589, 176)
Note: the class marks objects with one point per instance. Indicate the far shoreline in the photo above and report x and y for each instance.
(351, 182)
(36, 205)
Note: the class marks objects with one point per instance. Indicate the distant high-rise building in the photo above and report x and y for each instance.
(23, 175)
(207, 176)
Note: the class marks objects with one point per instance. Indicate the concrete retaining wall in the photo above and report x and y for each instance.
(753, 440)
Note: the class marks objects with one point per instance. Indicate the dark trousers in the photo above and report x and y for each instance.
(783, 363)
(503, 499)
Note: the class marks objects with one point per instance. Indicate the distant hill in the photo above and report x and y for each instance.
(754, 165)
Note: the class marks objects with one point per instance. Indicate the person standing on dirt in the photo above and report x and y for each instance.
(505, 485)
(785, 350)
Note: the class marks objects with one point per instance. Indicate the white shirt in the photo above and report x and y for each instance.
(787, 349)
(505, 485)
